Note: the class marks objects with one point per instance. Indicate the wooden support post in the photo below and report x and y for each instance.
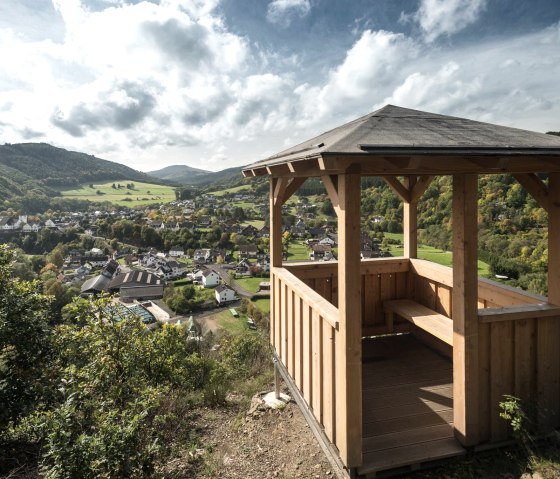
(275, 254)
(349, 344)
(465, 309)
(548, 329)
(410, 219)
(553, 235)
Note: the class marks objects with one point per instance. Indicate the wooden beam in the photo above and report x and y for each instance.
(521, 312)
(420, 187)
(410, 220)
(291, 188)
(465, 310)
(331, 185)
(349, 343)
(402, 192)
(280, 190)
(535, 187)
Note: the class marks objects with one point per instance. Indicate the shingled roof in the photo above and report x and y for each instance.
(392, 132)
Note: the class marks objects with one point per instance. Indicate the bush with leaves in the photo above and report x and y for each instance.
(25, 342)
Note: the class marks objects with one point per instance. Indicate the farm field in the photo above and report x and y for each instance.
(141, 194)
(237, 189)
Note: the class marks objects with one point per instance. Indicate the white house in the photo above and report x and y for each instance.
(225, 294)
(202, 255)
(210, 279)
(176, 252)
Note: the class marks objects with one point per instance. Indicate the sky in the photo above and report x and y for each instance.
(214, 84)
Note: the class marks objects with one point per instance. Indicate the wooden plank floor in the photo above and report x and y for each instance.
(407, 404)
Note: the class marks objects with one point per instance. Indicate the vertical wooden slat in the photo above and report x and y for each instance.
(443, 301)
(369, 299)
(524, 353)
(548, 372)
(298, 350)
(290, 334)
(335, 291)
(465, 302)
(375, 283)
(306, 363)
(349, 344)
(275, 245)
(484, 381)
(317, 381)
(402, 285)
(501, 375)
(328, 381)
(278, 314)
(284, 326)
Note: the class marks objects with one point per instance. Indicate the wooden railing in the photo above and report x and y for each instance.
(518, 334)
(518, 353)
(382, 279)
(303, 330)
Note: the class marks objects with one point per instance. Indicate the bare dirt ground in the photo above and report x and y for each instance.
(264, 444)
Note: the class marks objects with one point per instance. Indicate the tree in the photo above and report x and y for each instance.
(25, 341)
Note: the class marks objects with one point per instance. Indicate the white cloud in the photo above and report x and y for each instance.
(445, 17)
(284, 11)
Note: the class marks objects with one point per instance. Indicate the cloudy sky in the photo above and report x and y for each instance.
(221, 83)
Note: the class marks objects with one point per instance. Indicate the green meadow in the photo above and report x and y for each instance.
(141, 194)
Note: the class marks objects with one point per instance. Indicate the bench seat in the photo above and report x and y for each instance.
(434, 323)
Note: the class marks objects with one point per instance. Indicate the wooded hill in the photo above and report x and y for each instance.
(186, 175)
(42, 169)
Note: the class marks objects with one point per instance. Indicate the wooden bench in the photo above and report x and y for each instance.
(434, 323)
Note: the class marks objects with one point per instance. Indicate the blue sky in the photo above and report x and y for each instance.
(220, 83)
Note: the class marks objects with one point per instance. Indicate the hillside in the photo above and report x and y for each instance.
(186, 175)
(44, 169)
(181, 174)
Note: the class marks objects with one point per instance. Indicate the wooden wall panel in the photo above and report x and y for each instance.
(548, 372)
(484, 381)
(525, 373)
(501, 375)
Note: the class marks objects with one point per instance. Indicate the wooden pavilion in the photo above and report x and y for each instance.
(377, 400)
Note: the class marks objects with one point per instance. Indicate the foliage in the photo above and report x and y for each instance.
(25, 342)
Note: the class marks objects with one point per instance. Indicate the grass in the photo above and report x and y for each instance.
(298, 251)
(251, 284)
(230, 324)
(435, 255)
(138, 196)
(263, 304)
(237, 189)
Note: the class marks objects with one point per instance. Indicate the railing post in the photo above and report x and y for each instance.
(349, 345)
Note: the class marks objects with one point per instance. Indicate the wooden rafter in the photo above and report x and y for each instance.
(284, 189)
(331, 185)
(420, 187)
(398, 188)
(535, 187)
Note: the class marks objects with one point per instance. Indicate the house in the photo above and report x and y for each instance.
(319, 251)
(202, 255)
(224, 294)
(243, 267)
(248, 251)
(176, 252)
(327, 240)
(249, 231)
(210, 279)
(137, 285)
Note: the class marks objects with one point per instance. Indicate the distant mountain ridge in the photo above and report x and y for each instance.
(44, 168)
(187, 175)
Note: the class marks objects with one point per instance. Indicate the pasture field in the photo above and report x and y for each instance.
(141, 194)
